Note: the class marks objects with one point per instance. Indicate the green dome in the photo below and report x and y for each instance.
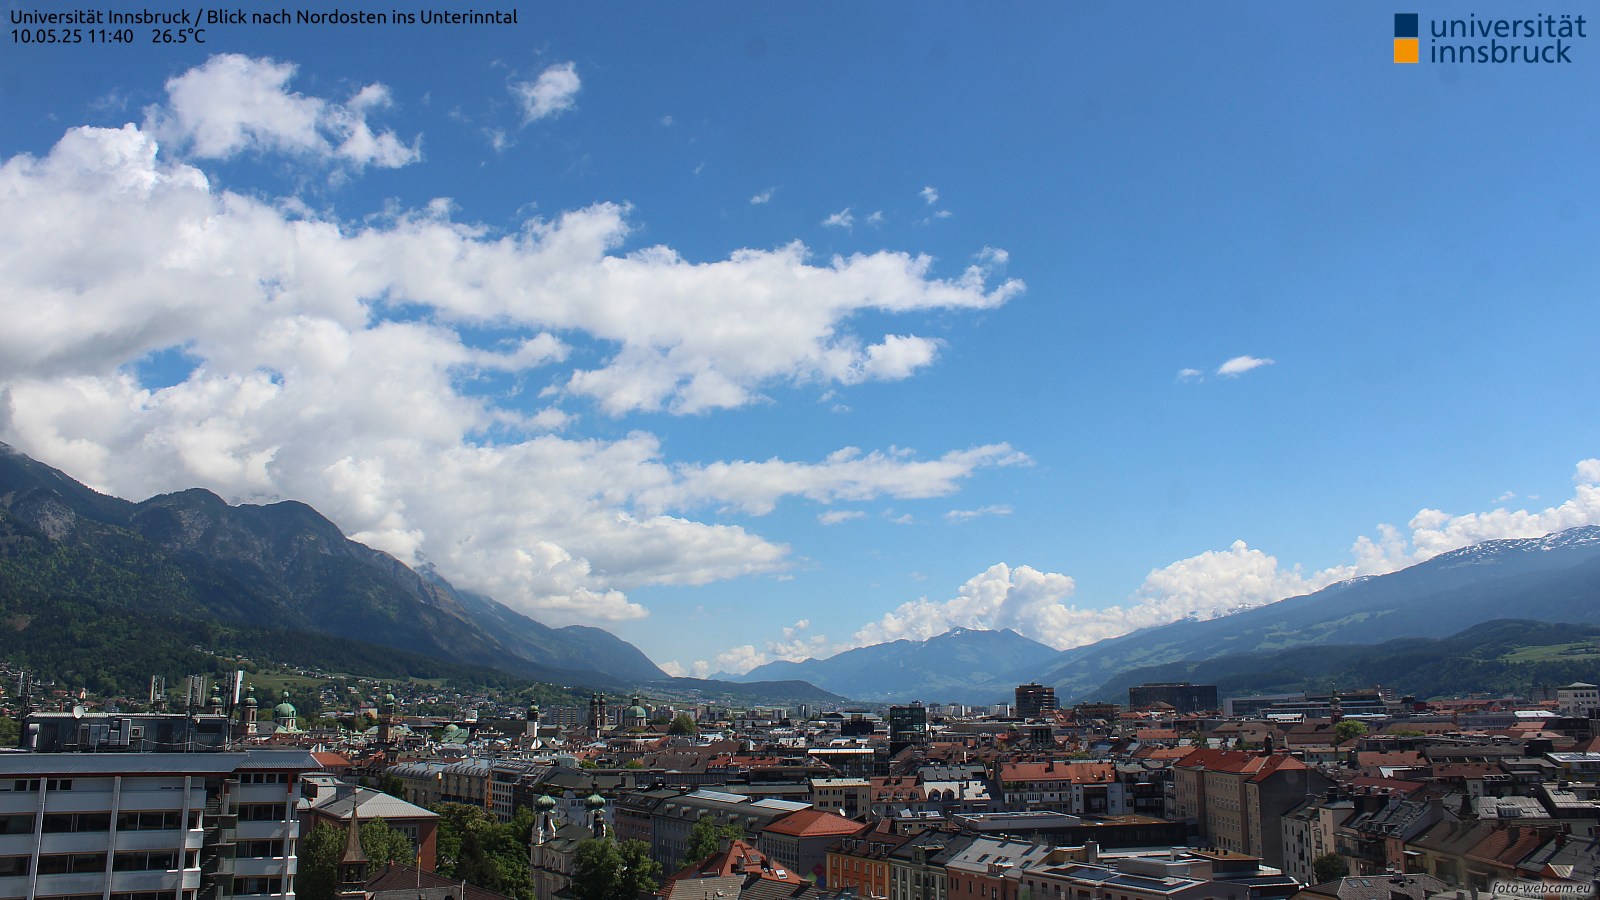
(285, 710)
(595, 801)
(545, 803)
(637, 712)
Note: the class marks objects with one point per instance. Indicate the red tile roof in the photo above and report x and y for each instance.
(1070, 772)
(1241, 762)
(813, 823)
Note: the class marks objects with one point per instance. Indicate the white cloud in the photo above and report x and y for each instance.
(1242, 364)
(841, 219)
(876, 219)
(302, 389)
(1190, 375)
(844, 475)
(764, 197)
(1213, 583)
(554, 92)
(957, 516)
(234, 104)
(839, 516)
(929, 194)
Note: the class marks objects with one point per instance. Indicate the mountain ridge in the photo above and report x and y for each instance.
(282, 564)
(941, 666)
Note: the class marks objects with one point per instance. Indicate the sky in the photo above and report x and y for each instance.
(752, 332)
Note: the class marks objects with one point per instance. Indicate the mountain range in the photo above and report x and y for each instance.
(945, 666)
(190, 555)
(1555, 578)
(1548, 579)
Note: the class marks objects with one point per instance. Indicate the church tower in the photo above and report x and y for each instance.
(354, 864)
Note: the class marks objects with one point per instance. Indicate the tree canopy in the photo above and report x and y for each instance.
(704, 837)
(605, 870)
(485, 853)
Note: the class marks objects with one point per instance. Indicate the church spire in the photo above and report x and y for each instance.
(353, 865)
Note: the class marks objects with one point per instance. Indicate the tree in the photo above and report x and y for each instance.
(604, 870)
(1348, 729)
(705, 836)
(480, 851)
(384, 845)
(322, 849)
(683, 723)
(1328, 867)
(319, 863)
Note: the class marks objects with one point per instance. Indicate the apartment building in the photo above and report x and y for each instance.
(142, 826)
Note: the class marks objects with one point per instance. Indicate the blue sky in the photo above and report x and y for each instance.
(751, 334)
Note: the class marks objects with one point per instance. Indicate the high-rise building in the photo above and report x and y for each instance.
(1183, 697)
(1033, 700)
(908, 726)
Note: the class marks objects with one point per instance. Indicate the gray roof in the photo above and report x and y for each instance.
(373, 805)
(13, 765)
(280, 759)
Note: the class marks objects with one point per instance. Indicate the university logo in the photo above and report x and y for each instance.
(1407, 48)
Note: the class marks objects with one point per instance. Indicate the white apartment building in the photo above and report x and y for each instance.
(150, 826)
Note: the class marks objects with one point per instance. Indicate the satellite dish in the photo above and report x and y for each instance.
(78, 711)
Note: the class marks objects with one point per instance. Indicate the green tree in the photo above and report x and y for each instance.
(476, 849)
(321, 850)
(683, 723)
(319, 863)
(605, 870)
(704, 838)
(384, 845)
(10, 731)
(392, 785)
(1328, 867)
(1349, 728)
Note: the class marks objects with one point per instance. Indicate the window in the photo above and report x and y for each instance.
(263, 812)
(260, 849)
(258, 885)
(19, 824)
(169, 820)
(64, 863)
(145, 861)
(57, 823)
(11, 866)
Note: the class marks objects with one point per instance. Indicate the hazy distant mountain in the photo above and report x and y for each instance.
(939, 669)
(283, 566)
(1551, 579)
(1497, 657)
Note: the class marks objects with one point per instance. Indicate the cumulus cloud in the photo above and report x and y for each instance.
(841, 219)
(1040, 605)
(1190, 375)
(234, 104)
(554, 92)
(764, 197)
(1242, 364)
(794, 644)
(303, 386)
(929, 194)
